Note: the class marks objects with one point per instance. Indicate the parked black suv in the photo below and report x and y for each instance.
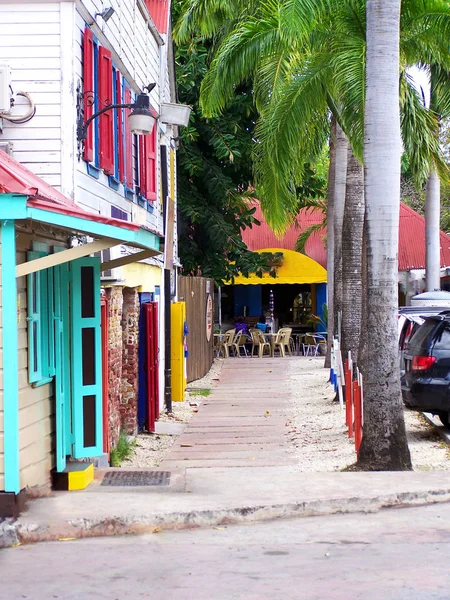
(427, 368)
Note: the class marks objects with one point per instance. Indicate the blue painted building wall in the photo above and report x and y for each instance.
(321, 299)
(249, 296)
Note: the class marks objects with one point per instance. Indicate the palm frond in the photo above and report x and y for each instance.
(301, 241)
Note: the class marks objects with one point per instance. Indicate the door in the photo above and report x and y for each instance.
(151, 325)
(86, 357)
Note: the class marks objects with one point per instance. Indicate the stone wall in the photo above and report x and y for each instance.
(123, 375)
(115, 304)
(130, 365)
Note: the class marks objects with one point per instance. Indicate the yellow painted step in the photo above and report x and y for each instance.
(76, 476)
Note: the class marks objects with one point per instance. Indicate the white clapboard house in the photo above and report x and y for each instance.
(84, 213)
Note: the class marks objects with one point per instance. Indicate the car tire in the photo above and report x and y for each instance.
(445, 418)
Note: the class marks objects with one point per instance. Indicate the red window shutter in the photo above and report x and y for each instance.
(147, 161)
(120, 136)
(107, 118)
(88, 86)
(142, 166)
(128, 144)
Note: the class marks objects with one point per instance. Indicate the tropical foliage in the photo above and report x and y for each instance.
(214, 173)
(304, 60)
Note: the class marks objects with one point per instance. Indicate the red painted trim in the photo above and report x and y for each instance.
(88, 85)
(107, 118)
(358, 415)
(105, 373)
(120, 135)
(156, 361)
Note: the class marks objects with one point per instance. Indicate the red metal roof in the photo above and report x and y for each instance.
(17, 179)
(411, 238)
(159, 11)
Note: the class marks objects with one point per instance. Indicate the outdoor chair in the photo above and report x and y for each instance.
(227, 343)
(239, 342)
(310, 346)
(259, 342)
(283, 341)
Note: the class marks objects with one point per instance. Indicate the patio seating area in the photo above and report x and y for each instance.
(232, 343)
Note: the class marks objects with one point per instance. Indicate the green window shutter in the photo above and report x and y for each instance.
(62, 365)
(86, 357)
(50, 312)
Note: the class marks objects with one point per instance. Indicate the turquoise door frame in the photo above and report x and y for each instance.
(62, 365)
(10, 357)
(86, 357)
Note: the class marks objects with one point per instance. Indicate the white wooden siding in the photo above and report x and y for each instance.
(30, 43)
(136, 52)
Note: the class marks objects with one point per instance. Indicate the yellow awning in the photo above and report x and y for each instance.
(296, 268)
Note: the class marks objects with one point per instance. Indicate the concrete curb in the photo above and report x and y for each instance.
(13, 533)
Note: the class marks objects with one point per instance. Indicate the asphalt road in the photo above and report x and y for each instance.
(393, 554)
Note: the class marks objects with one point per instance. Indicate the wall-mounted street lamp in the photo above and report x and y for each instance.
(106, 13)
(141, 119)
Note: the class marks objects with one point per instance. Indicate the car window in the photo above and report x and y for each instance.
(421, 336)
(442, 338)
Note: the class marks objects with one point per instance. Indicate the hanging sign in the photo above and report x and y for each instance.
(209, 317)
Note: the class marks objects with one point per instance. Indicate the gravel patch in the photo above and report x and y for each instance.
(318, 434)
(151, 448)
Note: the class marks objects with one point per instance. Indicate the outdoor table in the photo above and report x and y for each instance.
(271, 337)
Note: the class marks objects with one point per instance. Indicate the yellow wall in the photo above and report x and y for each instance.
(177, 365)
(36, 408)
(143, 276)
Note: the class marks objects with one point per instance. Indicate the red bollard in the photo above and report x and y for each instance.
(358, 416)
(349, 402)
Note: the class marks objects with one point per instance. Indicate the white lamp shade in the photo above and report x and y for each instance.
(175, 114)
(141, 124)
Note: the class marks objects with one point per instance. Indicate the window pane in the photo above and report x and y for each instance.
(89, 421)
(88, 355)
(87, 292)
(442, 340)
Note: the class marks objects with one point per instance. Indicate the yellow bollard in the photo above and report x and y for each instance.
(178, 316)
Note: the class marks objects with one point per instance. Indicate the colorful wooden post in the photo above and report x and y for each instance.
(348, 395)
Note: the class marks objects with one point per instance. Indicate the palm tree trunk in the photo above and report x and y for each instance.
(330, 242)
(339, 203)
(352, 240)
(384, 445)
(432, 232)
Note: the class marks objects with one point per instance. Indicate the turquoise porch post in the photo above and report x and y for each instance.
(10, 357)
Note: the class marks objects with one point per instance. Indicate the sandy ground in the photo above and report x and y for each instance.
(317, 431)
(319, 435)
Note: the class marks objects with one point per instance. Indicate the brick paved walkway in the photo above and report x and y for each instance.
(243, 421)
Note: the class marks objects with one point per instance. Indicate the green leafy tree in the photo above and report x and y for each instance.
(214, 178)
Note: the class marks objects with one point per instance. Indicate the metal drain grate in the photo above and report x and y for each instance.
(136, 478)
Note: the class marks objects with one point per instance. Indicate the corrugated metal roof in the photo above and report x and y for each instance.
(411, 238)
(15, 178)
